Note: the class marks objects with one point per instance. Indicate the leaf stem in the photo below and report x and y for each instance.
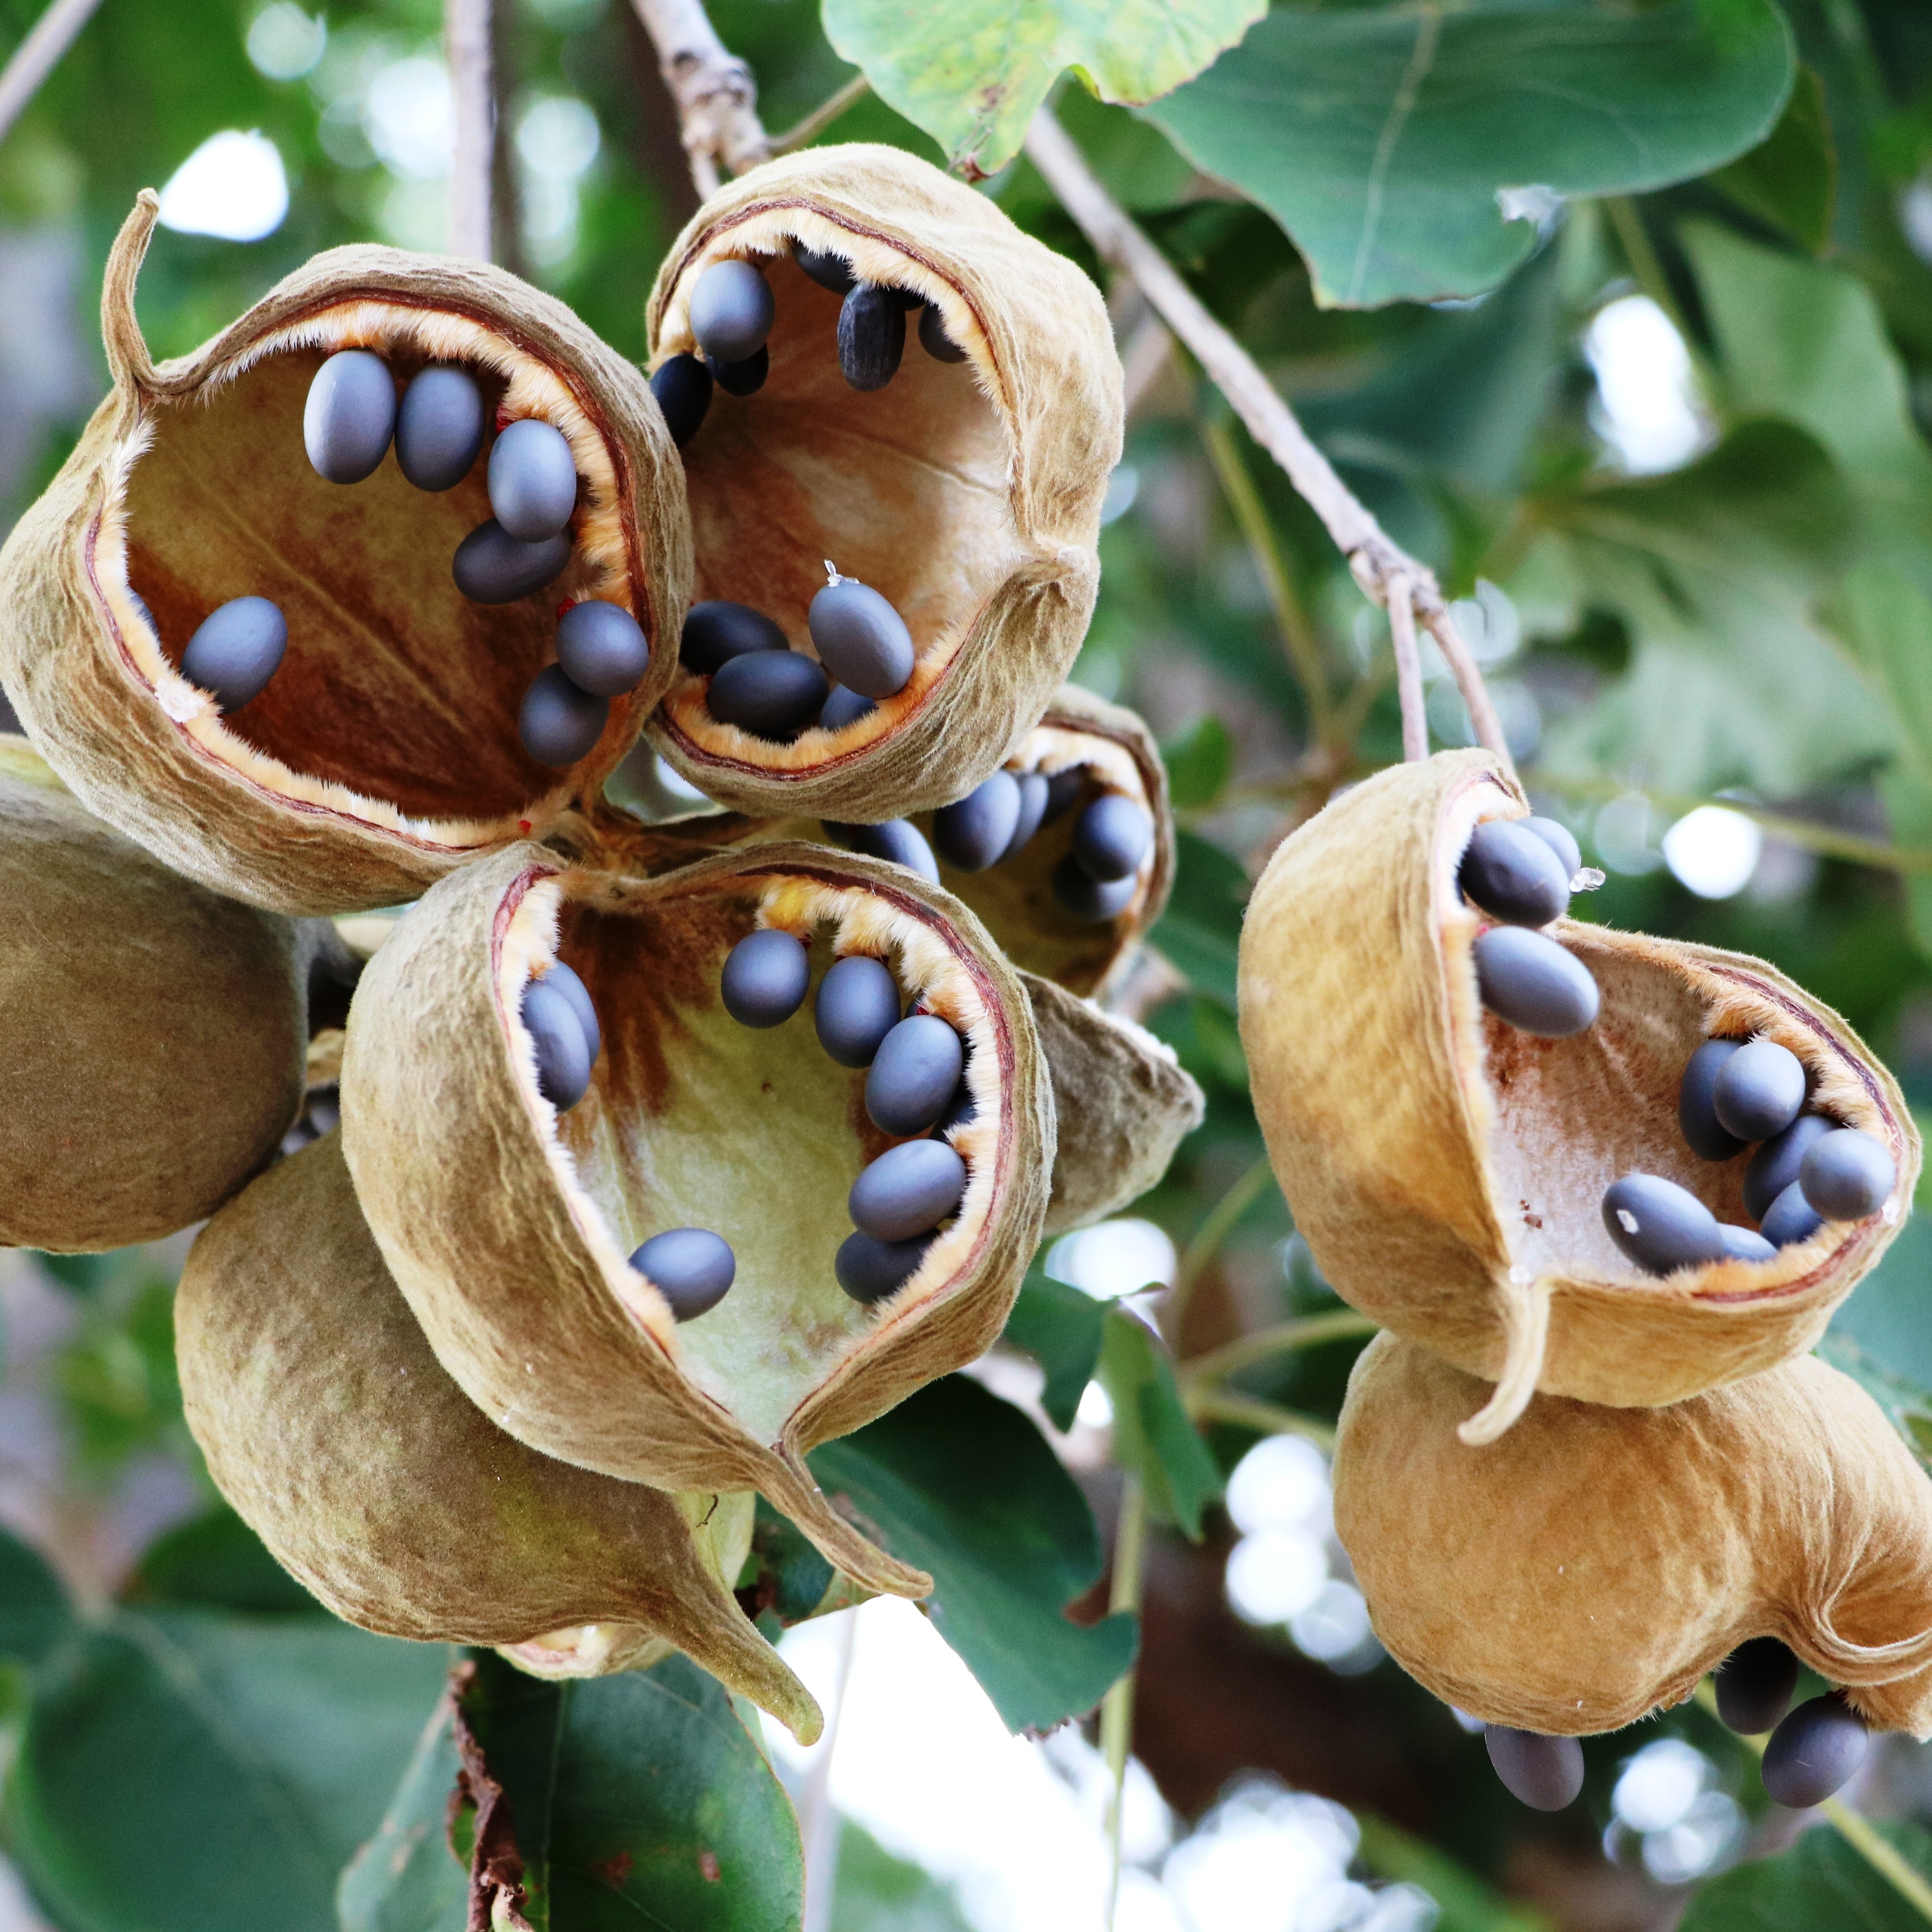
(1408, 673)
(1248, 1411)
(1641, 253)
(38, 55)
(1218, 1224)
(1305, 1331)
(1117, 1708)
(803, 132)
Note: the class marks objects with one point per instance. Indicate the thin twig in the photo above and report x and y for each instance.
(818, 1822)
(804, 132)
(1117, 1708)
(465, 41)
(717, 98)
(1268, 1418)
(1219, 1225)
(38, 55)
(1305, 1331)
(1408, 672)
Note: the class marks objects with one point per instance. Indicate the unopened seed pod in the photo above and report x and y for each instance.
(374, 1480)
(1590, 1567)
(968, 496)
(384, 751)
(1448, 1169)
(508, 1226)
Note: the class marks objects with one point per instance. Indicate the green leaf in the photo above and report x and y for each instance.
(217, 1562)
(1198, 761)
(1790, 178)
(1466, 1902)
(1381, 137)
(406, 1878)
(35, 1616)
(1821, 1885)
(879, 1893)
(1888, 1323)
(1201, 930)
(782, 1570)
(1059, 1326)
(972, 74)
(962, 1484)
(1152, 1433)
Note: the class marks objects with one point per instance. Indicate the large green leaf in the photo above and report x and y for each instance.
(1201, 930)
(879, 1893)
(1790, 179)
(1821, 1885)
(35, 1616)
(406, 1878)
(1059, 1326)
(1383, 138)
(972, 74)
(962, 1484)
(1152, 1433)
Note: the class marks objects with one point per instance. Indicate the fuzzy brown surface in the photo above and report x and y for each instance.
(1591, 1566)
(968, 494)
(385, 752)
(1448, 1171)
(328, 1424)
(154, 1034)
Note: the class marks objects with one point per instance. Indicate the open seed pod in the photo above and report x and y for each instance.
(388, 744)
(966, 493)
(507, 1223)
(373, 1479)
(1592, 1565)
(153, 1033)
(1449, 1170)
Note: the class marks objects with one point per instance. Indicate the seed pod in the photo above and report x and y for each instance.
(969, 498)
(1589, 1568)
(385, 752)
(328, 1423)
(153, 1032)
(508, 1226)
(1448, 1171)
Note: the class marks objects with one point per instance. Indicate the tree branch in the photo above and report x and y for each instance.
(37, 55)
(717, 98)
(804, 132)
(466, 40)
(1408, 672)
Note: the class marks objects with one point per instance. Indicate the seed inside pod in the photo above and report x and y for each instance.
(1543, 1772)
(895, 840)
(908, 1191)
(1814, 1752)
(1759, 1090)
(868, 1269)
(559, 723)
(236, 650)
(871, 337)
(1659, 1225)
(1034, 791)
(843, 708)
(732, 307)
(1790, 1218)
(1704, 1134)
(566, 982)
(857, 1006)
(1846, 1175)
(913, 1074)
(691, 1267)
(1513, 875)
(1754, 1685)
(935, 341)
(1741, 1244)
(1087, 898)
(491, 567)
(440, 427)
(1777, 1164)
(1560, 839)
(741, 379)
(715, 632)
(772, 695)
(532, 479)
(961, 1108)
(765, 979)
(1527, 979)
(860, 639)
(563, 1053)
(829, 271)
(1063, 792)
(1111, 837)
(601, 648)
(682, 388)
(978, 829)
(349, 416)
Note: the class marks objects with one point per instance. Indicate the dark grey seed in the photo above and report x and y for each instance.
(872, 336)
(1741, 1244)
(715, 632)
(565, 981)
(860, 639)
(333, 973)
(324, 1110)
(1775, 1166)
(1759, 1090)
(1063, 792)
(1111, 836)
(935, 341)
(533, 480)
(563, 1054)
(439, 427)
(1659, 1225)
(829, 271)
(857, 1006)
(961, 1108)
(913, 1073)
(1086, 897)
(1703, 1133)
(895, 840)
(1033, 811)
(1814, 1752)
(973, 831)
(1790, 1218)
(558, 724)
(1544, 1773)
(349, 416)
(731, 311)
(1754, 1685)
(1527, 980)
(140, 604)
(907, 299)
(239, 648)
(1847, 1175)
(908, 1190)
(692, 1268)
(772, 695)
(682, 388)
(601, 647)
(301, 1135)
(1560, 840)
(1513, 875)
(491, 567)
(869, 1270)
(845, 707)
(741, 379)
(765, 978)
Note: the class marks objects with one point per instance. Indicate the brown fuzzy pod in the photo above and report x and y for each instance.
(384, 752)
(507, 1225)
(329, 1424)
(153, 1033)
(1592, 1565)
(967, 494)
(1448, 1171)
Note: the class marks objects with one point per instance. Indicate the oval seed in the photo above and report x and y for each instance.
(860, 639)
(1814, 1752)
(491, 567)
(1776, 1165)
(907, 1190)
(349, 416)
(1513, 875)
(1063, 792)
(857, 1006)
(559, 723)
(533, 480)
(1659, 1225)
(1847, 1175)
(741, 379)
(715, 632)
(829, 271)
(682, 388)
(916, 1068)
(1087, 898)
(765, 976)
(1754, 1685)
(961, 1108)
(1111, 836)
(1741, 1244)
(843, 708)
(732, 309)
(601, 647)
(934, 339)
(772, 695)
(1560, 839)
(1544, 1773)
(895, 841)
(565, 981)
(1527, 979)
(691, 1268)
(563, 1054)
(237, 648)
(869, 1270)
(439, 427)
(872, 336)
(974, 831)
(1703, 1133)
(1032, 813)
(1759, 1090)
(1790, 1218)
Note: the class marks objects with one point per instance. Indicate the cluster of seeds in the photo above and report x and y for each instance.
(1520, 872)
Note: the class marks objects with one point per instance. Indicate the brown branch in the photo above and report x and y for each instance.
(1407, 671)
(38, 55)
(466, 40)
(716, 97)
